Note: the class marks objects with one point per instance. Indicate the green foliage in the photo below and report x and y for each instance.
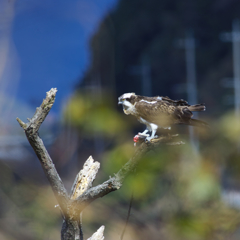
(95, 114)
(117, 157)
(177, 190)
(27, 210)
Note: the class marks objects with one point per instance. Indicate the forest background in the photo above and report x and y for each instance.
(179, 192)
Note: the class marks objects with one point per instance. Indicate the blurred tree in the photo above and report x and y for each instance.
(178, 194)
(139, 29)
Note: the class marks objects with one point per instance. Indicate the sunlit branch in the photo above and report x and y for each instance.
(31, 130)
(82, 193)
(116, 182)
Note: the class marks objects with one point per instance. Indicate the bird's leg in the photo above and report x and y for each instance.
(144, 133)
(154, 128)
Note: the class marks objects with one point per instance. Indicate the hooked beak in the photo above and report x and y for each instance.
(120, 102)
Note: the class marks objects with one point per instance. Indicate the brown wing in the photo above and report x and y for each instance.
(183, 112)
(166, 99)
(164, 111)
(180, 102)
(182, 115)
(159, 112)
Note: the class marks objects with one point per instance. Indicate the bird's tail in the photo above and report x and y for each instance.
(198, 123)
(197, 107)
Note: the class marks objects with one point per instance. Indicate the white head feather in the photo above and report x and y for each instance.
(128, 108)
(127, 95)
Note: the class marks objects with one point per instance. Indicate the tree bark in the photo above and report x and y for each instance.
(82, 193)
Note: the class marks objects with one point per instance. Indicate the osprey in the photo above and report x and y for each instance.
(157, 112)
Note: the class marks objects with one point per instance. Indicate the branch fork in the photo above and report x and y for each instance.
(82, 192)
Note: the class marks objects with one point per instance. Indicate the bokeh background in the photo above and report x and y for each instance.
(93, 51)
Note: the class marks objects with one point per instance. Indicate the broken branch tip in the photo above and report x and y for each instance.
(21, 123)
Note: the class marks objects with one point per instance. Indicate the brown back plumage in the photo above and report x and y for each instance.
(164, 111)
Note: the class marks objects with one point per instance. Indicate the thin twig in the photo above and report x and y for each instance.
(80, 227)
(128, 216)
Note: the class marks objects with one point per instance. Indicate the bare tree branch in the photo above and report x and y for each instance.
(31, 131)
(115, 183)
(82, 193)
(83, 182)
(85, 178)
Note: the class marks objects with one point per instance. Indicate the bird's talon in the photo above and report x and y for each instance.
(143, 134)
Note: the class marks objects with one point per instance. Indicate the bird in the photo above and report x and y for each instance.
(160, 112)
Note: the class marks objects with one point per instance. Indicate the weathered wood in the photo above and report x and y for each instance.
(115, 183)
(82, 193)
(98, 235)
(82, 183)
(31, 130)
(85, 178)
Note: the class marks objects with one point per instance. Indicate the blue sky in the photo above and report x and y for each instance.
(46, 46)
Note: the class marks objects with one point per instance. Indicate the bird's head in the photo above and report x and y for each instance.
(127, 100)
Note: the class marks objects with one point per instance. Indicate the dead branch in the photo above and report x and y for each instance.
(98, 235)
(83, 182)
(82, 193)
(85, 178)
(31, 130)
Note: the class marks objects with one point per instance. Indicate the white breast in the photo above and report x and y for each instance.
(141, 120)
(128, 108)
